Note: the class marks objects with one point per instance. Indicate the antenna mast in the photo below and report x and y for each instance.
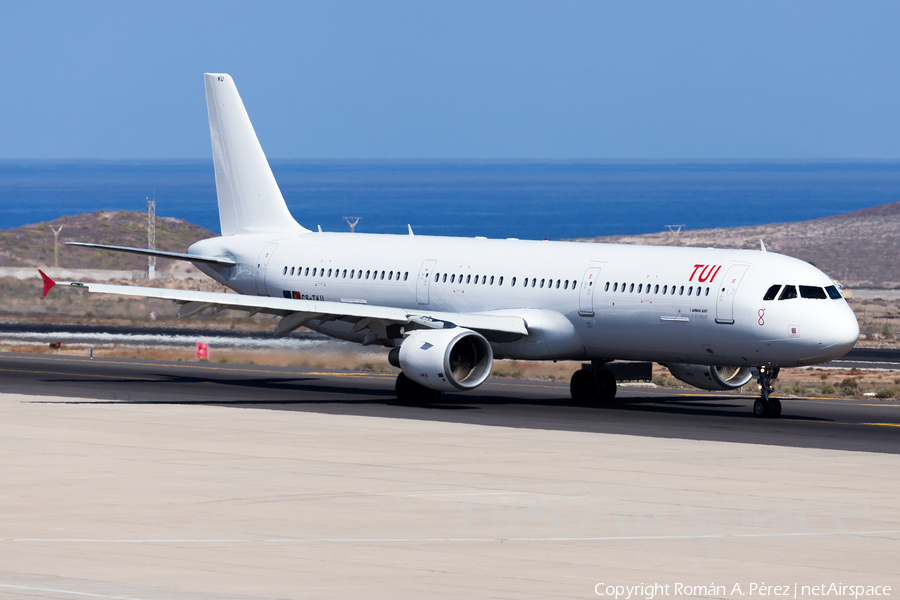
(675, 229)
(151, 235)
(353, 224)
(56, 245)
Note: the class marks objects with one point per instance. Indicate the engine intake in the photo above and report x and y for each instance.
(713, 378)
(445, 359)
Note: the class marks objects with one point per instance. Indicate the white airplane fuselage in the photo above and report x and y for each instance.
(581, 301)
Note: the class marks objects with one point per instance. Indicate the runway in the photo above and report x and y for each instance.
(828, 423)
(159, 481)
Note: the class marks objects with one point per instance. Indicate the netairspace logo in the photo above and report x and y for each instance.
(790, 590)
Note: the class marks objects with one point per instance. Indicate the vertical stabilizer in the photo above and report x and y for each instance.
(249, 198)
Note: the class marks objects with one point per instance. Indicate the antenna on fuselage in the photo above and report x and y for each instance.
(762, 246)
(675, 229)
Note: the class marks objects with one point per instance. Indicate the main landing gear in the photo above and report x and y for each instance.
(593, 383)
(766, 407)
(410, 392)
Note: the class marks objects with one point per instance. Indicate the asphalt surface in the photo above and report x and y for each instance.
(830, 423)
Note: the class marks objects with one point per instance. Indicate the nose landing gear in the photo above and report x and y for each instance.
(766, 407)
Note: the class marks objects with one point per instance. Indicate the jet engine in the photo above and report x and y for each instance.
(710, 378)
(444, 359)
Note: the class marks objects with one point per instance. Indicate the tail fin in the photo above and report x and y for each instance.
(249, 198)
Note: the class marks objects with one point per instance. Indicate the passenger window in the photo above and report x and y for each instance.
(345, 274)
(405, 275)
(468, 278)
(631, 288)
(698, 291)
(557, 284)
(707, 291)
(656, 289)
(329, 272)
(500, 281)
(292, 270)
(566, 285)
(285, 271)
(665, 289)
(691, 291)
(833, 292)
(307, 272)
(681, 291)
(492, 280)
(772, 292)
(640, 287)
(574, 283)
(484, 280)
(812, 292)
(542, 283)
(390, 275)
(512, 283)
(616, 286)
(382, 274)
(789, 293)
(444, 280)
(437, 277)
(453, 278)
(351, 273)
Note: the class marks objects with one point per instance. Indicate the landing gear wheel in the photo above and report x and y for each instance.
(410, 392)
(583, 386)
(606, 386)
(760, 408)
(767, 407)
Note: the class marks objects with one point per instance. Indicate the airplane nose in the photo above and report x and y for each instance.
(842, 333)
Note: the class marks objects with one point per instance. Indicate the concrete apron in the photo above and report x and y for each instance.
(109, 499)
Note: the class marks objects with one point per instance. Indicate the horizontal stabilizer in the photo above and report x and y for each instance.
(48, 283)
(209, 260)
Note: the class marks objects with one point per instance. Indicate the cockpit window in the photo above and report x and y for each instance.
(833, 292)
(788, 293)
(772, 292)
(811, 291)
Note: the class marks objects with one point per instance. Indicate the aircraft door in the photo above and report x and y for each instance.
(586, 296)
(423, 281)
(262, 264)
(727, 290)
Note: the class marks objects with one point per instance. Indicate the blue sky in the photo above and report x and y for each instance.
(470, 80)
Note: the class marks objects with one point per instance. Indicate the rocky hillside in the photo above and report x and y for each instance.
(859, 249)
(32, 245)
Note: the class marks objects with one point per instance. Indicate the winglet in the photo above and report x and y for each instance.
(48, 283)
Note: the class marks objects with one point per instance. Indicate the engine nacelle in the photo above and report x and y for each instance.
(445, 359)
(710, 378)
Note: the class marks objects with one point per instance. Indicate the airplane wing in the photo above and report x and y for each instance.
(296, 313)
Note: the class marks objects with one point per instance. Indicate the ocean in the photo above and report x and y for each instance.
(497, 199)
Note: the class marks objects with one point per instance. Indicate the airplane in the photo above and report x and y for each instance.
(448, 307)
